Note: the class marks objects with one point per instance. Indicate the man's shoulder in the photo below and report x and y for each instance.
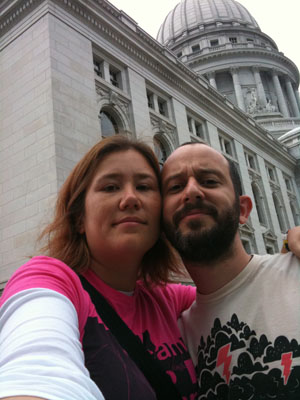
(277, 262)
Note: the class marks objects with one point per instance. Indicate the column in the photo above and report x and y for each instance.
(181, 122)
(237, 88)
(212, 79)
(280, 97)
(193, 126)
(155, 102)
(285, 198)
(297, 98)
(262, 100)
(291, 97)
(247, 189)
(106, 73)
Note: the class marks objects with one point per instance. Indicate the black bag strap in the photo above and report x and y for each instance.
(158, 379)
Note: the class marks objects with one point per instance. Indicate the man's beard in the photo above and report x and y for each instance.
(204, 244)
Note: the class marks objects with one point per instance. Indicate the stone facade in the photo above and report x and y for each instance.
(69, 73)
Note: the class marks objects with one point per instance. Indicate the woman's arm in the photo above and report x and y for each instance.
(22, 398)
(40, 350)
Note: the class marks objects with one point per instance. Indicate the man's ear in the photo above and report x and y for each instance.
(245, 208)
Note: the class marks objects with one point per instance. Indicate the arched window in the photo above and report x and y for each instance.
(160, 152)
(279, 213)
(109, 126)
(259, 205)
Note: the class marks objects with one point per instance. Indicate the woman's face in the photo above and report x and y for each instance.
(122, 208)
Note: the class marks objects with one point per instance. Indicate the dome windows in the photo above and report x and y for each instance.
(214, 42)
(195, 48)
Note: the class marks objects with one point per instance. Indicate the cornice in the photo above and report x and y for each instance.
(202, 59)
(12, 12)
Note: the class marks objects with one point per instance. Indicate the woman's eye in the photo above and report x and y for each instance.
(143, 187)
(110, 188)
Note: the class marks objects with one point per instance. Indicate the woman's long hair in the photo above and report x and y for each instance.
(63, 238)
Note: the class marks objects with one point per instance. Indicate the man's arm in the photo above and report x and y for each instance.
(293, 241)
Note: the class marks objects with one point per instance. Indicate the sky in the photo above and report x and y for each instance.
(278, 19)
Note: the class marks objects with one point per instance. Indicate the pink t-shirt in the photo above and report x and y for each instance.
(150, 313)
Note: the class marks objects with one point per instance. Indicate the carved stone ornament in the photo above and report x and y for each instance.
(254, 176)
(269, 236)
(161, 126)
(113, 98)
(269, 107)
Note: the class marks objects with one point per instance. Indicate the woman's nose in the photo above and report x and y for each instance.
(129, 199)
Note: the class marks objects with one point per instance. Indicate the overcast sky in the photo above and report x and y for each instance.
(278, 19)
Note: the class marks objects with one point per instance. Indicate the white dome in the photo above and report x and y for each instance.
(189, 15)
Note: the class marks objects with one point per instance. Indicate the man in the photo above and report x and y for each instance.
(243, 331)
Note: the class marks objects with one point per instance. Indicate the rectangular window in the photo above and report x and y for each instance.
(288, 184)
(195, 48)
(162, 107)
(271, 174)
(250, 40)
(115, 77)
(199, 129)
(233, 40)
(250, 161)
(150, 100)
(98, 68)
(190, 124)
(179, 54)
(214, 43)
(226, 146)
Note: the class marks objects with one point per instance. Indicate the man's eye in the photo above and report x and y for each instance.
(209, 182)
(175, 188)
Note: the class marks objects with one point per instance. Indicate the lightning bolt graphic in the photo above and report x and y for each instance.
(286, 362)
(223, 358)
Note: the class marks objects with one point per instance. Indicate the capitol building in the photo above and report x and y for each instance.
(73, 71)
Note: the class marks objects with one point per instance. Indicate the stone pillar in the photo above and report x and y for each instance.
(262, 100)
(237, 88)
(106, 73)
(193, 126)
(155, 102)
(291, 97)
(297, 98)
(212, 79)
(280, 97)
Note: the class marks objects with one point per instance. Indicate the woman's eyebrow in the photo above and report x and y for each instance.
(117, 175)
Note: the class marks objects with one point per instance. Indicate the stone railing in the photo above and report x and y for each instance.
(227, 46)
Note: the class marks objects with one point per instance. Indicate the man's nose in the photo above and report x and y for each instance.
(193, 190)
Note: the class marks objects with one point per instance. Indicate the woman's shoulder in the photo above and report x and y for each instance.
(46, 273)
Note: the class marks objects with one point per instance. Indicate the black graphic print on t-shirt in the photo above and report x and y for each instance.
(233, 363)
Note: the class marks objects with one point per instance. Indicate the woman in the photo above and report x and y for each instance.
(107, 229)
